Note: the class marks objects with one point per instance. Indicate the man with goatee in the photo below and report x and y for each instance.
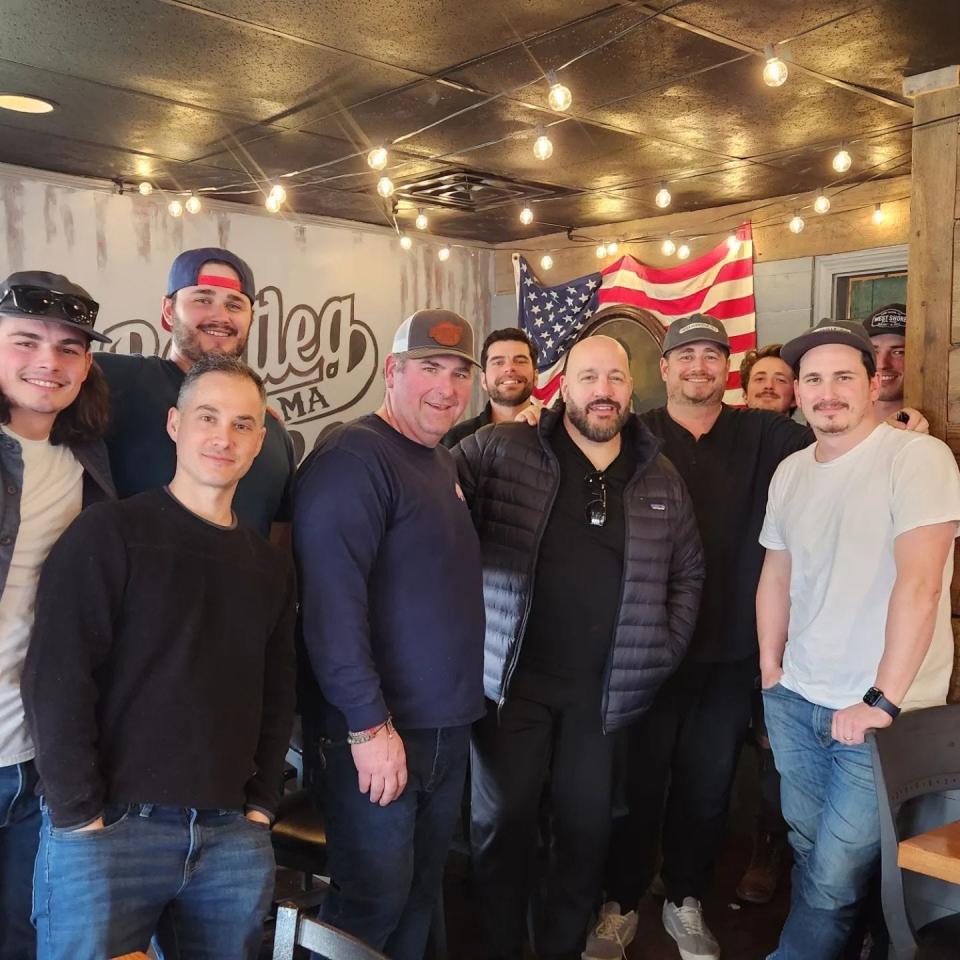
(592, 569)
(508, 373)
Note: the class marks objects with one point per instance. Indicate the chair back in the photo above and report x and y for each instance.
(916, 756)
(294, 929)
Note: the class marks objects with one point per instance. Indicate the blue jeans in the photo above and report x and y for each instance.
(830, 803)
(199, 882)
(386, 863)
(19, 836)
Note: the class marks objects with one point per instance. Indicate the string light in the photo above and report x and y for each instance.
(878, 215)
(277, 191)
(175, 208)
(560, 97)
(683, 251)
(377, 158)
(775, 70)
(822, 203)
(421, 223)
(405, 242)
(613, 247)
(273, 203)
(842, 161)
(663, 198)
(193, 204)
(601, 251)
(546, 261)
(796, 223)
(733, 242)
(668, 248)
(444, 253)
(543, 145)
(526, 216)
(385, 187)
(145, 189)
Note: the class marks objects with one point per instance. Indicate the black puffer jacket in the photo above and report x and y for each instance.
(510, 477)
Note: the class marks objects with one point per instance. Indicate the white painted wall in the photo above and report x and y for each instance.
(330, 294)
(784, 293)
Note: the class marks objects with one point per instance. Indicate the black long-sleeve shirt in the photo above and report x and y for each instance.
(161, 665)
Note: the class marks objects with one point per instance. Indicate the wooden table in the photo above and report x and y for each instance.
(935, 853)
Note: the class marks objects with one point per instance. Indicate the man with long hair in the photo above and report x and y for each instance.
(53, 413)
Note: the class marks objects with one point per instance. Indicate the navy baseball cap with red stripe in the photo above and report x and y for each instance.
(186, 272)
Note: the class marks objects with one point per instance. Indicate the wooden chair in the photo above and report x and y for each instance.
(916, 763)
(294, 929)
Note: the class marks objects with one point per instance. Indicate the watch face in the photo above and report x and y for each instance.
(872, 696)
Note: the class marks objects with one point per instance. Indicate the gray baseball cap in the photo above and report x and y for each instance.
(697, 328)
(435, 333)
(848, 332)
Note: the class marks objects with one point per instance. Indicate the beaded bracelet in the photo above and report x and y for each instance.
(365, 736)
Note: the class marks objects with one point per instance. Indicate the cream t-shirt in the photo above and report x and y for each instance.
(839, 520)
(52, 496)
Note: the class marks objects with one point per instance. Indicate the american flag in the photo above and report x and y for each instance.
(719, 283)
(553, 318)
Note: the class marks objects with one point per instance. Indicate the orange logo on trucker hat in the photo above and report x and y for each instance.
(446, 334)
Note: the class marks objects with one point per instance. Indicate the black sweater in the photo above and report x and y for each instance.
(160, 669)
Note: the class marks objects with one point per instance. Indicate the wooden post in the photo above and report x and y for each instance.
(932, 381)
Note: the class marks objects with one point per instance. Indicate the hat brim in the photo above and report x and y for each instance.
(82, 327)
(686, 343)
(422, 353)
(792, 351)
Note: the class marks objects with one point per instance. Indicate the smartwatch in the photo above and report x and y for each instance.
(874, 698)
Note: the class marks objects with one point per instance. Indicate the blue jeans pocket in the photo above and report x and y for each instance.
(114, 817)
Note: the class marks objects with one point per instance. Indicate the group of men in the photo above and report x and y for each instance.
(578, 604)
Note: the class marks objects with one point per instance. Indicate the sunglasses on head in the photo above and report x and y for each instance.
(41, 302)
(596, 508)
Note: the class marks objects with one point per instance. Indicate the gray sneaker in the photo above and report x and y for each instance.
(608, 940)
(685, 924)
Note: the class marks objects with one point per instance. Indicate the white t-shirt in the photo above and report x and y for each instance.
(838, 520)
(52, 496)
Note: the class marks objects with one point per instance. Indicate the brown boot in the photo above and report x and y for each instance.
(759, 883)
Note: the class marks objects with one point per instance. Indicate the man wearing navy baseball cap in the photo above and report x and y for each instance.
(208, 306)
(887, 328)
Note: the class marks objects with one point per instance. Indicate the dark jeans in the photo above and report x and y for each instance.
(387, 863)
(682, 756)
(19, 837)
(199, 882)
(511, 762)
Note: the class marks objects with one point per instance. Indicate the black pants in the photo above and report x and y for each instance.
(769, 814)
(539, 738)
(681, 759)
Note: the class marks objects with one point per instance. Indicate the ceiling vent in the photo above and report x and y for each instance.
(472, 192)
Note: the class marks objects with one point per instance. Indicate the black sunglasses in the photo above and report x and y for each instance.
(41, 302)
(596, 509)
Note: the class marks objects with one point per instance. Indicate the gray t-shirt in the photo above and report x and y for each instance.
(839, 520)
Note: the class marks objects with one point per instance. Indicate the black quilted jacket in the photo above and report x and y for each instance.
(510, 477)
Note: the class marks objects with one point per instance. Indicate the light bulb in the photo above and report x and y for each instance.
(405, 242)
(613, 247)
(421, 223)
(775, 70)
(377, 158)
(842, 161)
(878, 215)
(526, 216)
(272, 203)
(683, 251)
(175, 209)
(193, 204)
(385, 187)
(277, 191)
(663, 198)
(546, 261)
(560, 97)
(444, 253)
(822, 203)
(733, 242)
(668, 248)
(601, 251)
(543, 146)
(145, 189)
(796, 223)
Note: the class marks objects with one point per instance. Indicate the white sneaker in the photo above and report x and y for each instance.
(609, 939)
(685, 924)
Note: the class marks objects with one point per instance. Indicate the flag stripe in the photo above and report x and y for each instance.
(721, 272)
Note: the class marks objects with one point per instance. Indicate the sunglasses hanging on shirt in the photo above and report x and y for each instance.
(596, 509)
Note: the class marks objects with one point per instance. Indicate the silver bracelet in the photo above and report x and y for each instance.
(365, 736)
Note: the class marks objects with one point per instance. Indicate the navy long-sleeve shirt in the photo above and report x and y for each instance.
(391, 610)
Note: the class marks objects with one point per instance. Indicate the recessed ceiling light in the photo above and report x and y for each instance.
(23, 104)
